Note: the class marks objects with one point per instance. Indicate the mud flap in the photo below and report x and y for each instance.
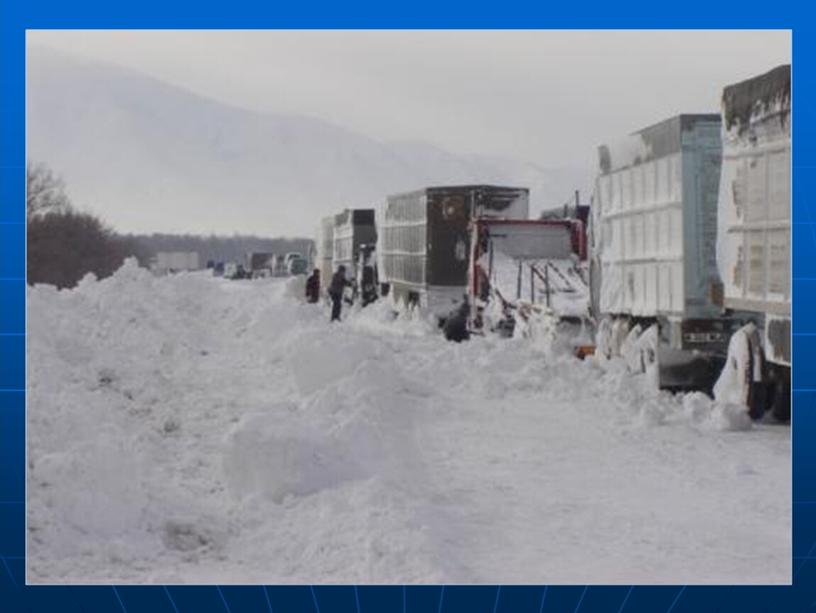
(685, 370)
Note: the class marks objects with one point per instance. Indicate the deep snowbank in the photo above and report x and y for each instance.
(191, 429)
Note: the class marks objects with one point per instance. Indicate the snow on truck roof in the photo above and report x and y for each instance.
(355, 217)
(756, 98)
(652, 142)
(453, 189)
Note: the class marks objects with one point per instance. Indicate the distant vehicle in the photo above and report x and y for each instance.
(218, 269)
(754, 239)
(424, 240)
(291, 255)
(234, 270)
(279, 266)
(260, 264)
(297, 266)
(176, 261)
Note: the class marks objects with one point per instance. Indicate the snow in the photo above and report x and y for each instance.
(626, 151)
(743, 364)
(191, 429)
(568, 292)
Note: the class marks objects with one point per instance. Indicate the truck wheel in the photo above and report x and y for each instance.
(738, 382)
(757, 390)
(757, 399)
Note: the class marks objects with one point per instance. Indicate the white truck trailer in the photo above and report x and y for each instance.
(324, 251)
(754, 238)
(653, 251)
(176, 261)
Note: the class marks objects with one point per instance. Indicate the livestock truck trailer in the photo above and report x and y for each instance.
(354, 234)
(424, 241)
(653, 252)
(754, 239)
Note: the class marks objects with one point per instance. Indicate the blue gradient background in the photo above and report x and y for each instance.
(15, 17)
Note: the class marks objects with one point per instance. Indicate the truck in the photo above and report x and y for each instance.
(653, 261)
(754, 238)
(297, 265)
(176, 261)
(424, 241)
(518, 267)
(260, 264)
(354, 229)
(292, 255)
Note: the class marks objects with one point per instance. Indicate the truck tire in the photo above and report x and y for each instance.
(757, 399)
(757, 390)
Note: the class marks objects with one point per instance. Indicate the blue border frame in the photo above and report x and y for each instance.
(15, 17)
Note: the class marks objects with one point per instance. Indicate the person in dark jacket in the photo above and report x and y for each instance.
(313, 287)
(369, 285)
(338, 284)
(455, 328)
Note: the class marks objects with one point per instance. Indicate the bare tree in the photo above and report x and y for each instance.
(64, 244)
(45, 191)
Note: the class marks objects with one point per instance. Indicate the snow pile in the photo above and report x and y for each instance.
(701, 409)
(624, 151)
(556, 281)
(191, 429)
(280, 457)
(743, 365)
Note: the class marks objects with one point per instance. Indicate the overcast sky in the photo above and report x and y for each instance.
(546, 96)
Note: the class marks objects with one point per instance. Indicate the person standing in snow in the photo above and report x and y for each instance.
(369, 285)
(455, 327)
(338, 284)
(313, 287)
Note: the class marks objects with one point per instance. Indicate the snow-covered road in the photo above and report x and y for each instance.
(189, 429)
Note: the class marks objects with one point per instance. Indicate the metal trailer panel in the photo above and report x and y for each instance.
(352, 229)
(448, 241)
(654, 216)
(753, 248)
(702, 159)
(324, 245)
(403, 239)
(424, 240)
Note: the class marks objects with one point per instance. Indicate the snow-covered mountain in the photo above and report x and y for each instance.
(149, 156)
